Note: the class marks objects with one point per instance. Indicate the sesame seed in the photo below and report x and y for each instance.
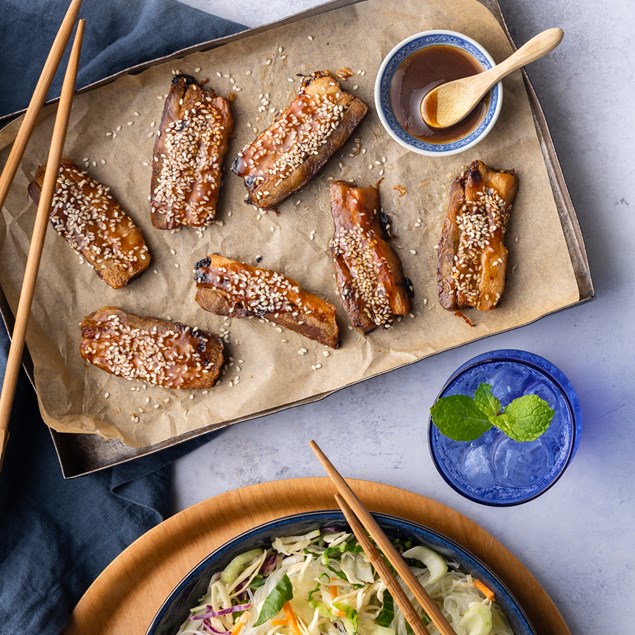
(302, 351)
(106, 395)
(310, 37)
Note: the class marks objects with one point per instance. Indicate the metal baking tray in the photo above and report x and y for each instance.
(81, 454)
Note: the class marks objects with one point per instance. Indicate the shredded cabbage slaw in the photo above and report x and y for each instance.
(322, 583)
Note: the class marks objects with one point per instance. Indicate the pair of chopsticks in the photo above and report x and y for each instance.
(361, 522)
(48, 188)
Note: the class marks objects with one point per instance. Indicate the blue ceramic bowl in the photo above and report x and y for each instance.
(387, 71)
(189, 591)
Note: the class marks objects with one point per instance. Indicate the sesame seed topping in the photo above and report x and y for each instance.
(357, 248)
(257, 291)
(190, 160)
(165, 354)
(85, 214)
(297, 133)
(477, 221)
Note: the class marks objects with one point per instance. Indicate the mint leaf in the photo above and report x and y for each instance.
(459, 418)
(277, 598)
(486, 402)
(525, 418)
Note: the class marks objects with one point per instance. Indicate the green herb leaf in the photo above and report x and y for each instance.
(256, 582)
(277, 598)
(459, 418)
(486, 402)
(387, 613)
(525, 418)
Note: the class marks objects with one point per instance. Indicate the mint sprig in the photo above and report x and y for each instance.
(464, 418)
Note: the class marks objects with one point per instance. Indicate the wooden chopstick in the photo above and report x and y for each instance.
(376, 559)
(384, 544)
(37, 239)
(37, 100)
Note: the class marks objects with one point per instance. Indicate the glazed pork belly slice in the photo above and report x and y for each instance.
(472, 257)
(232, 288)
(188, 155)
(149, 349)
(369, 274)
(86, 215)
(292, 150)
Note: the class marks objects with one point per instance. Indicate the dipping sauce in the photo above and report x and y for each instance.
(417, 75)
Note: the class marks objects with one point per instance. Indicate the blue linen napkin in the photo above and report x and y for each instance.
(56, 536)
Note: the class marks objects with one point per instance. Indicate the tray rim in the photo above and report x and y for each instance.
(184, 539)
(72, 449)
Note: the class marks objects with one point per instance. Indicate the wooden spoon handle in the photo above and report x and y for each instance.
(532, 50)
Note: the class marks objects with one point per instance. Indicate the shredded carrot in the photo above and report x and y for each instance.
(334, 594)
(486, 591)
(242, 620)
(291, 619)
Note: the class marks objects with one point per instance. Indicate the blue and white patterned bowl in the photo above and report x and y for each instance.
(387, 71)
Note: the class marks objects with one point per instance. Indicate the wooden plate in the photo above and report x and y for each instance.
(126, 596)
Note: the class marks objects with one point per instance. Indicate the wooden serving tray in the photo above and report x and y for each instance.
(127, 595)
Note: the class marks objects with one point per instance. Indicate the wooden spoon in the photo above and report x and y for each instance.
(449, 103)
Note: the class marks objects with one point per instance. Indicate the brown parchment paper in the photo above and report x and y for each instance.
(267, 369)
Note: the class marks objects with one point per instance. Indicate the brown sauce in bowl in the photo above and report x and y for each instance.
(417, 75)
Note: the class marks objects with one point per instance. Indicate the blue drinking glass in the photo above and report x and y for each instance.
(494, 469)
